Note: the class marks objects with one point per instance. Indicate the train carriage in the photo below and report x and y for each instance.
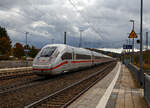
(59, 58)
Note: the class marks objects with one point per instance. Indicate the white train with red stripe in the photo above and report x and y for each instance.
(59, 58)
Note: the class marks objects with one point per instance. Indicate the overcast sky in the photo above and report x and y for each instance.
(105, 22)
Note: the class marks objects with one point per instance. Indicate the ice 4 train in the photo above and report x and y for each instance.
(59, 58)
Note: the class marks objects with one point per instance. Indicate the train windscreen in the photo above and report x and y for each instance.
(47, 52)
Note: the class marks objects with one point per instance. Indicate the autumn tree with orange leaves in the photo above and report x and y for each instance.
(18, 50)
(5, 43)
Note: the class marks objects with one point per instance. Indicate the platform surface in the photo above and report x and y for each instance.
(126, 93)
(117, 90)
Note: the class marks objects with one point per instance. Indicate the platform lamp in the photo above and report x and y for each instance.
(141, 75)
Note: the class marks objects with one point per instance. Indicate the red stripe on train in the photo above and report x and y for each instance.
(65, 62)
(81, 61)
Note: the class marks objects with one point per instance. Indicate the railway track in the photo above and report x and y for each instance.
(20, 85)
(11, 75)
(65, 96)
(21, 95)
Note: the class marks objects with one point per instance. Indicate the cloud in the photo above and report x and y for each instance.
(103, 21)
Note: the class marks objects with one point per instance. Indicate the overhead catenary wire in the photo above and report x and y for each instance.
(4, 7)
(22, 41)
(35, 8)
(91, 26)
(25, 16)
(19, 13)
(36, 19)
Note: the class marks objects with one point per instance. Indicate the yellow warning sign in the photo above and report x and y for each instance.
(132, 34)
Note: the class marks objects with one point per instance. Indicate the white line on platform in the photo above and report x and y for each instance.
(5, 69)
(102, 103)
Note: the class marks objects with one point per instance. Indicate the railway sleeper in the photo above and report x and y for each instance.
(56, 99)
(50, 106)
(61, 98)
(55, 103)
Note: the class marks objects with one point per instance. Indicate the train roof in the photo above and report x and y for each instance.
(57, 45)
(76, 49)
(64, 46)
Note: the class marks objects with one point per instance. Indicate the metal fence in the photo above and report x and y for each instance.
(147, 88)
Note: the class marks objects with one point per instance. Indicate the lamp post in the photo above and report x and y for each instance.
(133, 23)
(132, 43)
(141, 75)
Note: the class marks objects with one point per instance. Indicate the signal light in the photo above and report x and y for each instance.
(138, 41)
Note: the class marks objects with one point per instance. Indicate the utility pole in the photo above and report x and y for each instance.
(65, 33)
(129, 51)
(52, 41)
(127, 44)
(80, 43)
(26, 50)
(146, 41)
(141, 75)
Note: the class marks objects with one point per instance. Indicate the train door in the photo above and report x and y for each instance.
(71, 58)
(66, 57)
(73, 64)
(92, 58)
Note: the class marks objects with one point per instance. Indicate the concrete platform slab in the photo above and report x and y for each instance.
(117, 90)
(128, 95)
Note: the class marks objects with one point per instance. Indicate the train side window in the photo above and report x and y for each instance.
(66, 56)
(81, 56)
(97, 57)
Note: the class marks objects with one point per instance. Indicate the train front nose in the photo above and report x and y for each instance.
(42, 70)
(42, 63)
(42, 66)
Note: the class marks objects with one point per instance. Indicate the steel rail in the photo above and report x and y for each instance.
(14, 87)
(29, 83)
(64, 104)
(16, 74)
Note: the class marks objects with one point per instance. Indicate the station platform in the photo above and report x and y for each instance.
(4, 70)
(117, 90)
